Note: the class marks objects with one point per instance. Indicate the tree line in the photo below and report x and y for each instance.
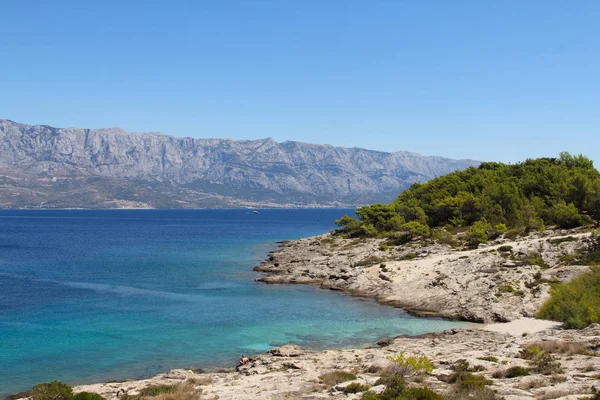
(489, 199)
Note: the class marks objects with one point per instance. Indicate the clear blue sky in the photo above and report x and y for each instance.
(489, 80)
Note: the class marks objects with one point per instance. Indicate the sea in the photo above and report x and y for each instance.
(99, 295)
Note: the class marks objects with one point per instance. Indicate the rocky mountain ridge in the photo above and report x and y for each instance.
(46, 167)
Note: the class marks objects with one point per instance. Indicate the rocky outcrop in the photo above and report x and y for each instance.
(498, 282)
(43, 166)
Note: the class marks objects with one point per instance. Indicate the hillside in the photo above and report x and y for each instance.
(490, 199)
(47, 167)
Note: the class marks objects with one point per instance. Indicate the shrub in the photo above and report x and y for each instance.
(546, 365)
(500, 229)
(182, 391)
(478, 233)
(444, 237)
(514, 372)
(478, 394)
(415, 229)
(88, 396)
(592, 258)
(566, 216)
(412, 365)
(355, 387)
(54, 390)
(335, 377)
(370, 396)
(530, 352)
(394, 386)
(419, 394)
(535, 258)
(512, 234)
(504, 249)
(469, 381)
(346, 224)
(576, 303)
(398, 239)
(157, 390)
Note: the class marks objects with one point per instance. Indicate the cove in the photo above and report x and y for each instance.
(99, 295)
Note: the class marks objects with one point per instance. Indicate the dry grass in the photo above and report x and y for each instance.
(201, 380)
(531, 384)
(555, 394)
(373, 369)
(564, 348)
(335, 377)
(588, 368)
(182, 391)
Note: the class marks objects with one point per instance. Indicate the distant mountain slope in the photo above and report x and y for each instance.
(42, 166)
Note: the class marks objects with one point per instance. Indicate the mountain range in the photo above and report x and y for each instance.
(47, 167)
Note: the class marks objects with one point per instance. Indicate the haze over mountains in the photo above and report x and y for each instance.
(47, 167)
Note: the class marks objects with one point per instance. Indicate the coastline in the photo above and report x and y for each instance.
(496, 282)
(289, 372)
(292, 372)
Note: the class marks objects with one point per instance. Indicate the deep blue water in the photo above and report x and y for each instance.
(89, 296)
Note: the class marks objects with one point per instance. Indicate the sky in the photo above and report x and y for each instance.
(486, 80)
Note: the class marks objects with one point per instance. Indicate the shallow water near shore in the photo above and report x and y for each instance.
(90, 296)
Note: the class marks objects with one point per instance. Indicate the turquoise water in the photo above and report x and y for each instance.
(88, 296)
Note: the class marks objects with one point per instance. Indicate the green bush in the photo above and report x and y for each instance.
(355, 387)
(394, 386)
(531, 352)
(504, 249)
(157, 390)
(500, 229)
(54, 390)
(419, 394)
(566, 216)
(592, 258)
(514, 372)
(545, 364)
(478, 233)
(535, 258)
(397, 390)
(415, 228)
(415, 364)
(469, 381)
(477, 394)
(512, 234)
(88, 396)
(576, 303)
(442, 236)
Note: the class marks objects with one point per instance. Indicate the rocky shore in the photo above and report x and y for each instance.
(290, 372)
(497, 282)
(503, 281)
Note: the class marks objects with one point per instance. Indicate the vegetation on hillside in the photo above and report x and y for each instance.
(577, 303)
(488, 200)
